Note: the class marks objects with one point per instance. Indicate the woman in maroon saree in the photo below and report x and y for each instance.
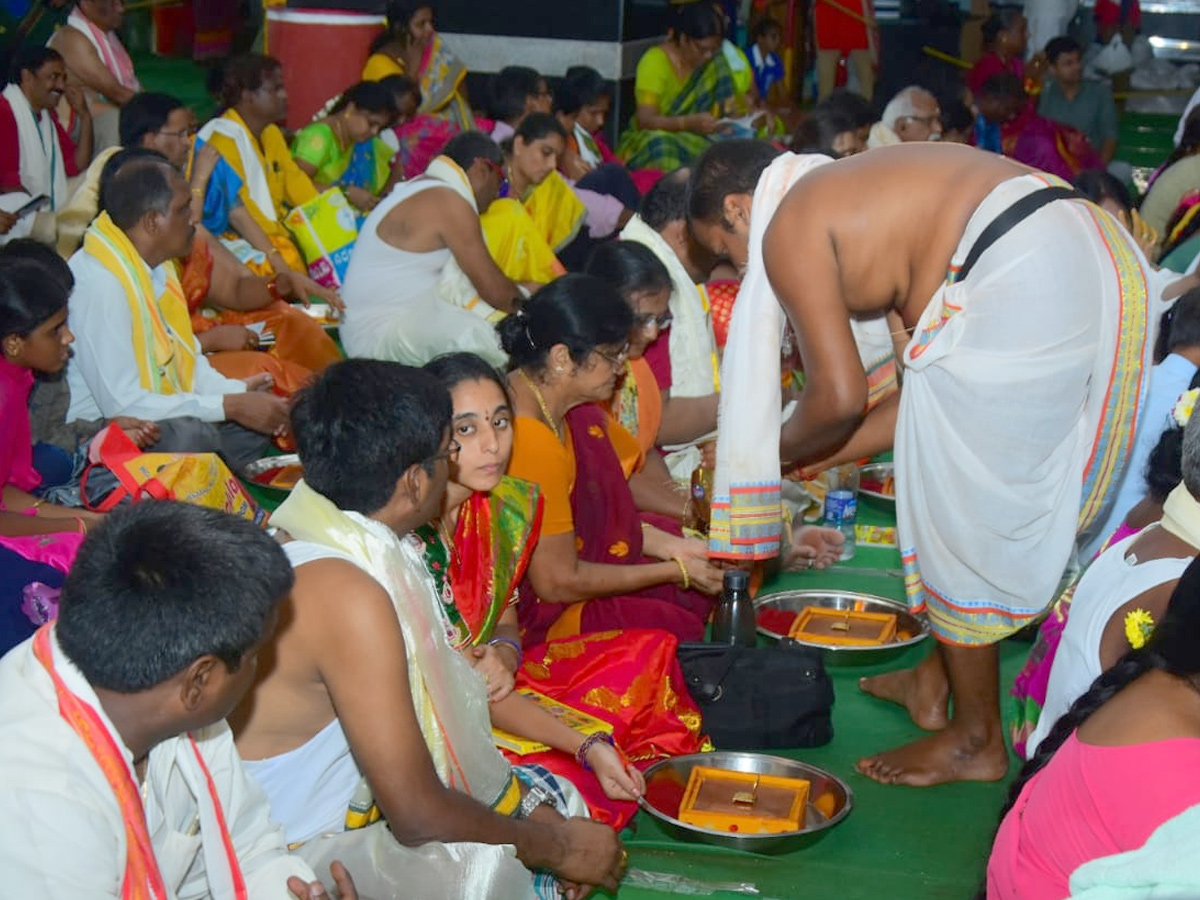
(600, 565)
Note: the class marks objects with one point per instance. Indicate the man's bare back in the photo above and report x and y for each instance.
(890, 220)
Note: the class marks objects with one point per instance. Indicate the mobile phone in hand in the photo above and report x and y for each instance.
(35, 205)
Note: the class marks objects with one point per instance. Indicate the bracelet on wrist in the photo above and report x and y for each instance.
(508, 642)
(685, 580)
(597, 737)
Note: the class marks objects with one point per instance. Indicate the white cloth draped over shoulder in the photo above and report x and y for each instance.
(407, 306)
(747, 521)
(108, 47)
(42, 168)
(256, 178)
(693, 347)
(54, 794)
(311, 787)
(881, 136)
(690, 340)
(449, 697)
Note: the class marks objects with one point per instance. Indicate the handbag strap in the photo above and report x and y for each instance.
(127, 486)
(1009, 219)
(710, 688)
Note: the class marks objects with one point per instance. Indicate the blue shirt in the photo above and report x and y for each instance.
(1168, 380)
(767, 72)
(222, 196)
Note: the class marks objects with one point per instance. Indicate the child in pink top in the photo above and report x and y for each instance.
(37, 540)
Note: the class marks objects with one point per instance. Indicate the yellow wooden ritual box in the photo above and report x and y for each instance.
(851, 628)
(744, 802)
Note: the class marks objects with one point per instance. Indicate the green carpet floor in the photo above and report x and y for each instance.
(180, 78)
(898, 843)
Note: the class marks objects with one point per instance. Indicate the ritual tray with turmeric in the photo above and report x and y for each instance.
(778, 617)
(668, 784)
(744, 802)
(858, 628)
(878, 482)
(278, 472)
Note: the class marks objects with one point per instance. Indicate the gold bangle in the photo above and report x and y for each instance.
(196, 192)
(33, 510)
(687, 581)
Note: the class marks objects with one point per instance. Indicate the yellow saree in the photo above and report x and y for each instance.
(272, 183)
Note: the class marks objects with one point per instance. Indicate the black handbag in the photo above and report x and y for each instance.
(757, 698)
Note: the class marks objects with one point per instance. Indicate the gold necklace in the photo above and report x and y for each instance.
(444, 533)
(541, 402)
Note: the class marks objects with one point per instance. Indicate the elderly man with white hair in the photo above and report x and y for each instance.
(912, 115)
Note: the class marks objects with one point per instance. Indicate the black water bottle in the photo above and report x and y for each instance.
(733, 622)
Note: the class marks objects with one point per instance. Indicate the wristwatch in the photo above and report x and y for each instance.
(533, 798)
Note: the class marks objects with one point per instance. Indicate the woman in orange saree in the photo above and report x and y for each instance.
(479, 549)
(301, 347)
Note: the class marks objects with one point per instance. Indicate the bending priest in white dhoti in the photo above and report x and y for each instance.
(1022, 385)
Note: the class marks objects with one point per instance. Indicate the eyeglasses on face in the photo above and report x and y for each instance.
(188, 132)
(616, 360)
(662, 323)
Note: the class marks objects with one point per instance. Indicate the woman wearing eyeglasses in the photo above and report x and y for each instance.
(597, 566)
(638, 402)
(478, 550)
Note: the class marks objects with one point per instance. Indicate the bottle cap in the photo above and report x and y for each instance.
(737, 580)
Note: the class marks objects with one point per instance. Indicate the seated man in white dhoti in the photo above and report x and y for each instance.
(36, 154)
(366, 711)
(421, 281)
(1022, 384)
(690, 402)
(118, 773)
(98, 62)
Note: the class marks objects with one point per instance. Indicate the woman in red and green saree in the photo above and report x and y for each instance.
(479, 549)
